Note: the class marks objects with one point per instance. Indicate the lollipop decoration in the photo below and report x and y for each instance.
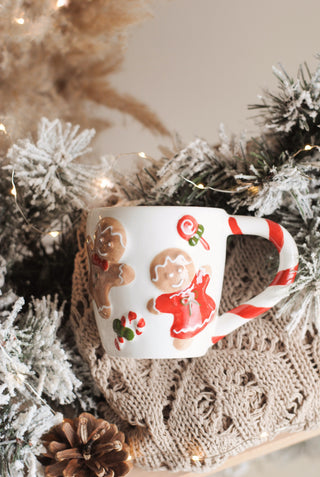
(190, 230)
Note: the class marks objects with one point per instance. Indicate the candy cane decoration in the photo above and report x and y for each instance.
(140, 326)
(189, 229)
(278, 288)
(127, 330)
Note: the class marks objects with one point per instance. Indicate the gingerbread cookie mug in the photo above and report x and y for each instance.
(156, 276)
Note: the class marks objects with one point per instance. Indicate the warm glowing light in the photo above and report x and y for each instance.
(20, 20)
(129, 457)
(20, 378)
(264, 435)
(200, 186)
(54, 233)
(142, 154)
(105, 182)
(195, 458)
(62, 3)
(307, 147)
(13, 191)
(3, 128)
(253, 190)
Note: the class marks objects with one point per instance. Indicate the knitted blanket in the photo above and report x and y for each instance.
(192, 414)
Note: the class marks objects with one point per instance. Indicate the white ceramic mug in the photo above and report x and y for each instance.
(156, 275)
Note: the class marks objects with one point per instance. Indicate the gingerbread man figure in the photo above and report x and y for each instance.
(185, 297)
(105, 270)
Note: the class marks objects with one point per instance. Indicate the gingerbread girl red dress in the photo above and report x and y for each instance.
(192, 308)
(186, 299)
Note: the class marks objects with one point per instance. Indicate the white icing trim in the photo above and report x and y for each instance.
(112, 233)
(180, 260)
(202, 271)
(102, 254)
(104, 307)
(120, 274)
(188, 227)
(154, 306)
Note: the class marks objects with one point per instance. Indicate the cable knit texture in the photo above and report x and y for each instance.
(257, 380)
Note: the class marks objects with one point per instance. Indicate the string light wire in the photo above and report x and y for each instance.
(15, 194)
(307, 147)
(203, 187)
(249, 187)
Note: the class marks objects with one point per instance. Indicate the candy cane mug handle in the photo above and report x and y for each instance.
(278, 288)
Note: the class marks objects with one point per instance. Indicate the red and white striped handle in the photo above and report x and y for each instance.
(278, 288)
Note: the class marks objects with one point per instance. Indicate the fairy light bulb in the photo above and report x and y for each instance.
(142, 154)
(62, 3)
(105, 182)
(3, 128)
(19, 20)
(253, 190)
(54, 233)
(195, 458)
(200, 186)
(307, 147)
(13, 191)
(20, 378)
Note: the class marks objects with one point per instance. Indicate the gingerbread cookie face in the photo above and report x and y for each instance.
(110, 239)
(105, 270)
(172, 270)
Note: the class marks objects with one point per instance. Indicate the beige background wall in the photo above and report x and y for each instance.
(198, 63)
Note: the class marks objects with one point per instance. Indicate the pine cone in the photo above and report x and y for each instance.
(85, 447)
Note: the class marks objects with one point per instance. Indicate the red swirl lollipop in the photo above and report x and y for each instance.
(189, 229)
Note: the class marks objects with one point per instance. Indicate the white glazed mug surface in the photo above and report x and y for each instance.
(156, 276)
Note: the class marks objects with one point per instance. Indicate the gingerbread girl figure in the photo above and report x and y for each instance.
(105, 270)
(185, 297)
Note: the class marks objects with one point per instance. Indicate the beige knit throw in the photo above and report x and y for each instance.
(254, 384)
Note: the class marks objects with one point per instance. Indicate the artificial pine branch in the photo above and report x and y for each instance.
(292, 114)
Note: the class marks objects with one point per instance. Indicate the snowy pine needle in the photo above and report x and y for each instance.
(289, 187)
(49, 167)
(46, 356)
(20, 437)
(303, 304)
(33, 367)
(188, 162)
(296, 106)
